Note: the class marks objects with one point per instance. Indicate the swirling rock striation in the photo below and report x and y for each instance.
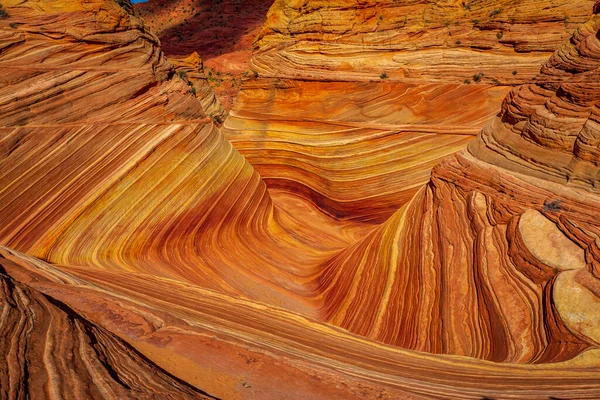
(506, 232)
(50, 351)
(239, 348)
(353, 104)
(549, 128)
(139, 220)
(108, 159)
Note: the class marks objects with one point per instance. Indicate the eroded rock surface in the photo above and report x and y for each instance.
(506, 232)
(221, 32)
(352, 105)
(130, 221)
(49, 351)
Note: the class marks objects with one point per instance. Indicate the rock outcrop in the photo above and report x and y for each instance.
(191, 69)
(354, 104)
(505, 232)
(221, 32)
(50, 351)
(131, 224)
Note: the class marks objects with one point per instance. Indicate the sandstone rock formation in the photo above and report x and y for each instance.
(50, 351)
(191, 69)
(353, 105)
(134, 233)
(221, 32)
(505, 231)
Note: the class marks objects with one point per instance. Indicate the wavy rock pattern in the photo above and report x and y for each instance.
(142, 170)
(154, 229)
(424, 40)
(550, 127)
(360, 160)
(494, 233)
(49, 351)
(353, 105)
(191, 68)
(477, 246)
(233, 345)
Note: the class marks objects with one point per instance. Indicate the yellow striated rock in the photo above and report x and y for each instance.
(351, 105)
(123, 202)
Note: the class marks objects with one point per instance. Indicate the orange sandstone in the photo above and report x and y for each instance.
(136, 234)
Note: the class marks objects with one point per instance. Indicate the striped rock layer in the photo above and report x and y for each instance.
(506, 232)
(51, 351)
(131, 224)
(353, 104)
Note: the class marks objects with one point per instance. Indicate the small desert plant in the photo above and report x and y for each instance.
(515, 72)
(458, 42)
(494, 12)
(384, 76)
(126, 5)
(3, 13)
(477, 77)
(467, 82)
(552, 205)
(499, 35)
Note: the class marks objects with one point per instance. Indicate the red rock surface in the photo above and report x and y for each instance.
(124, 209)
(353, 106)
(51, 351)
(221, 32)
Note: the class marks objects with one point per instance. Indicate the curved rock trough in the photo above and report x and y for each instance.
(365, 224)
